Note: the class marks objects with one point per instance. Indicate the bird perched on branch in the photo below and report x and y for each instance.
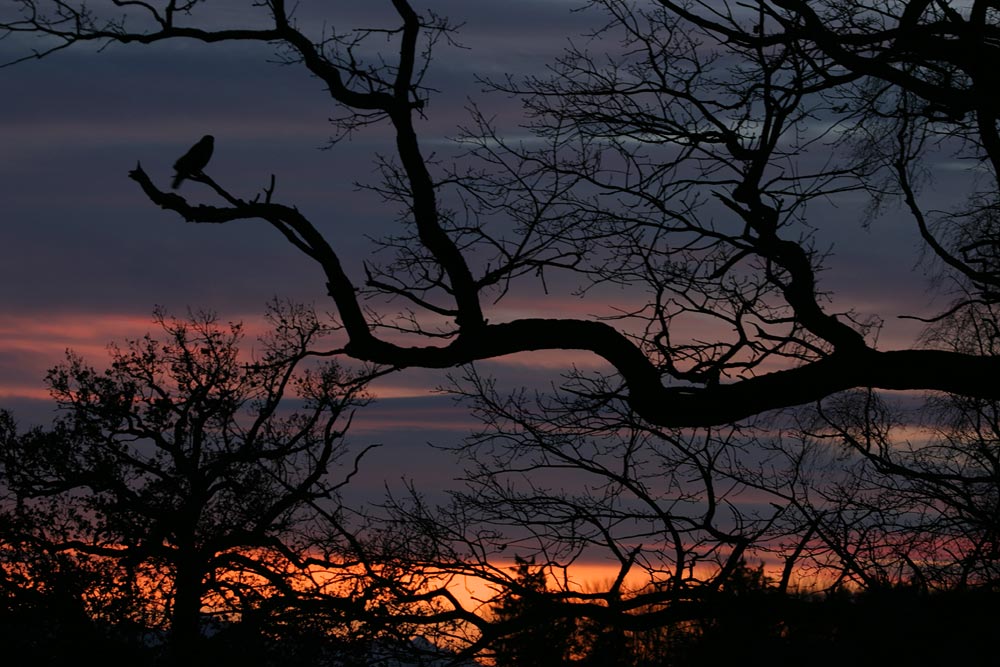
(194, 161)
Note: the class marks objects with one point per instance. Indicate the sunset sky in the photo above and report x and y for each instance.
(86, 257)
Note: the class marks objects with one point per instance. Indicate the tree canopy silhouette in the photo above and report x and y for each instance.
(189, 481)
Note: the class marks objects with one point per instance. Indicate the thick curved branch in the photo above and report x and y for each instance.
(666, 406)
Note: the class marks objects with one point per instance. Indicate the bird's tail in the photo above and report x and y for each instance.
(178, 178)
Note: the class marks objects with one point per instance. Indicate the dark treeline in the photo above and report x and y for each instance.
(757, 625)
(752, 622)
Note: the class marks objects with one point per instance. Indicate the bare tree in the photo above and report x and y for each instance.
(563, 480)
(197, 482)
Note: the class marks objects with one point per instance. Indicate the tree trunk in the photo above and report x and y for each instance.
(185, 620)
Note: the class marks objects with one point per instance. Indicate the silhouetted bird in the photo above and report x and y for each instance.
(194, 161)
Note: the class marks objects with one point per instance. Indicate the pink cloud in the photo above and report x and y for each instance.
(31, 344)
